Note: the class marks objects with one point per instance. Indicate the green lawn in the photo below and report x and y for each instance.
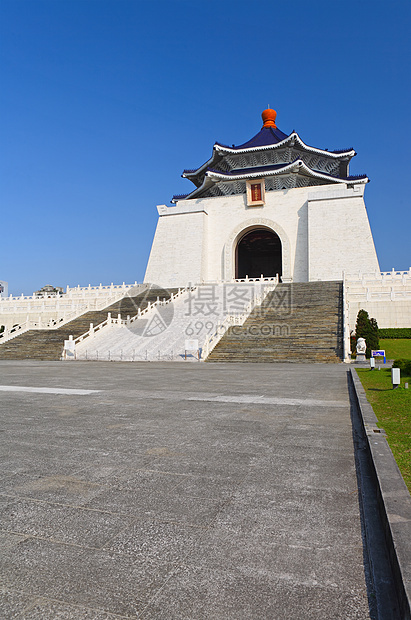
(396, 349)
(393, 411)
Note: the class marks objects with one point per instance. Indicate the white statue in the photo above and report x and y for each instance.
(361, 345)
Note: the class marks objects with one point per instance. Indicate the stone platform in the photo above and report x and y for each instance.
(181, 492)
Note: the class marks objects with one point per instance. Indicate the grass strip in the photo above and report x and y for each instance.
(393, 411)
(396, 349)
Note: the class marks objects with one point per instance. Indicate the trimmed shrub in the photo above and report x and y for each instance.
(395, 333)
(368, 329)
(404, 366)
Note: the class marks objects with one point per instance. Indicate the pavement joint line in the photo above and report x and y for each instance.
(53, 540)
(220, 398)
(248, 399)
(46, 390)
(124, 515)
(196, 526)
(75, 506)
(162, 471)
(40, 599)
(174, 571)
(261, 400)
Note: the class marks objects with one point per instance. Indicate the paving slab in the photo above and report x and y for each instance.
(186, 491)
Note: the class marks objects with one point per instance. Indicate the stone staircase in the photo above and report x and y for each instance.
(48, 344)
(298, 322)
(193, 315)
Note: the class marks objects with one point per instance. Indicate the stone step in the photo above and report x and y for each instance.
(296, 322)
(48, 344)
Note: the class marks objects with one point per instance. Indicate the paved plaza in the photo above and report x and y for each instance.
(179, 491)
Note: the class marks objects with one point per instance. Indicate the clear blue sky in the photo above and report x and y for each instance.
(103, 103)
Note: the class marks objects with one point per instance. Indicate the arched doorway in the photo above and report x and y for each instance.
(259, 252)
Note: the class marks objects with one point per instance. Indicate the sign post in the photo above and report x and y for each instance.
(191, 345)
(379, 353)
(70, 348)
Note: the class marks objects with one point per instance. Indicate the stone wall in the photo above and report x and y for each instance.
(75, 301)
(339, 234)
(386, 296)
(323, 230)
(178, 253)
(387, 313)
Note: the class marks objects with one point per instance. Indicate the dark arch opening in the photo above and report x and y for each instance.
(259, 253)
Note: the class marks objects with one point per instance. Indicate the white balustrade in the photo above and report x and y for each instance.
(71, 293)
(346, 326)
(378, 286)
(377, 289)
(171, 339)
(238, 319)
(379, 276)
(75, 302)
(140, 313)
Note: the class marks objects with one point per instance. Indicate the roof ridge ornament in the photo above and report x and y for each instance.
(269, 115)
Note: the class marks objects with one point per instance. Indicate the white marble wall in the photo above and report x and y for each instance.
(324, 231)
(76, 301)
(385, 296)
(339, 234)
(178, 253)
(395, 313)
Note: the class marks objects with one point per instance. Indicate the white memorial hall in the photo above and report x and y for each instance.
(272, 205)
(268, 257)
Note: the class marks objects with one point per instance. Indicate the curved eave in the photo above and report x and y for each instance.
(215, 157)
(293, 137)
(298, 166)
(207, 182)
(219, 150)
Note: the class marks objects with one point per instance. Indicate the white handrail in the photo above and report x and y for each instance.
(79, 310)
(71, 292)
(140, 313)
(378, 276)
(17, 330)
(235, 319)
(346, 324)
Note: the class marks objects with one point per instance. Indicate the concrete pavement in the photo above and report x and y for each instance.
(173, 491)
